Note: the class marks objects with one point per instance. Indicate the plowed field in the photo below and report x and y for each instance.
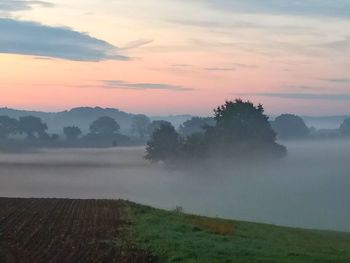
(63, 230)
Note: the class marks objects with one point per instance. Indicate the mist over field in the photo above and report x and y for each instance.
(309, 188)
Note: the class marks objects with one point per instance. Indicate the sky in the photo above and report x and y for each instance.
(164, 57)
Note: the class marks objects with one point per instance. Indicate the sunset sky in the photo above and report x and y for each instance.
(176, 56)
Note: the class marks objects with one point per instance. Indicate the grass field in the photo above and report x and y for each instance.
(63, 230)
(177, 237)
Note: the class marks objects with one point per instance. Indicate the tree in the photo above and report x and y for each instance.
(8, 126)
(241, 130)
(104, 125)
(289, 126)
(72, 132)
(241, 120)
(32, 126)
(140, 125)
(164, 144)
(155, 125)
(196, 125)
(345, 127)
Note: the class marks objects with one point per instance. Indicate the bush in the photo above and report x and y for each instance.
(288, 126)
(164, 144)
(104, 125)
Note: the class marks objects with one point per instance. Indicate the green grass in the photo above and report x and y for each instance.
(176, 237)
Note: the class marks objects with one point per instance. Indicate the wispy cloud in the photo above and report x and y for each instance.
(30, 38)
(232, 24)
(242, 65)
(341, 45)
(180, 65)
(337, 80)
(8, 6)
(302, 87)
(220, 69)
(137, 43)
(304, 96)
(214, 23)
(119, 84)
(330, 8)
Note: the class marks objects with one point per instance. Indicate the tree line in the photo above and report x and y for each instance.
(233, 121)
(104, 131)
(286, 127)
(239, 130)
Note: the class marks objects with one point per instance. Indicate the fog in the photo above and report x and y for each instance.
(310, 188)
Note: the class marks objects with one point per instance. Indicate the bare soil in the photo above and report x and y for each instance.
(66, 230)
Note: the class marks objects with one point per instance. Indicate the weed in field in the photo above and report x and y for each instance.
(212, 225)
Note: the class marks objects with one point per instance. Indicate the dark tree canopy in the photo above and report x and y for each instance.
(289, 126)
(8, 126)
(32, 126)
(140, 125)
(72, 132)
(164, 144)
(243, 129)
(154, 125)
(345, 127)
(104, 125)
(238, 120)
(196, 125)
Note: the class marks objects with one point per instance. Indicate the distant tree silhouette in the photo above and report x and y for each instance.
(289, 126)
(154, 125)
(72, 132)
(140, 124)
(164, 144)
(345, 127)
(8, 126)
(33, 127)
(104, 125)
(196, 125)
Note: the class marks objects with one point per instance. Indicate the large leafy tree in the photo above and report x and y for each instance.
(33, 127)
(242, 121)
(104, 126)
(72, 132)
(289, 126)
(164, 144)
(8, 126)
(242, 129)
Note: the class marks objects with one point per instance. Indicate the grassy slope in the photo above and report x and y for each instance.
(177, 237)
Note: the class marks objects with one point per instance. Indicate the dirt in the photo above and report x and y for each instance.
(67, 230)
